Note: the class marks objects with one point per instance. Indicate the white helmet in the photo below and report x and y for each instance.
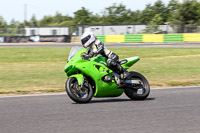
(87, 38)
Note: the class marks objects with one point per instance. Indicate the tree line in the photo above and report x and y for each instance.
(173, 13)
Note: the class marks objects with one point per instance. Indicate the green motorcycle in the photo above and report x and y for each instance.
(92, 78)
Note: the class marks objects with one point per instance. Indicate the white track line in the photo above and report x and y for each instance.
(57, 94)
(165, 88)
(32, 95)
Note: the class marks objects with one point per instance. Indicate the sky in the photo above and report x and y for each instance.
(15, 8)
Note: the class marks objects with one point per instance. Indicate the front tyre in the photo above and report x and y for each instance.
(139, 91)
(76, 93)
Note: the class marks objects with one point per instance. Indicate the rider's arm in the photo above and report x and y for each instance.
(89, 54)
(88, 50)
(100, 47)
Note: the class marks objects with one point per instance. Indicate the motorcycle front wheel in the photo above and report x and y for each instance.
(139, 91)
(76, 93)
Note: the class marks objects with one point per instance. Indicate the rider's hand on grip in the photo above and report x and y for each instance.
(85, 57)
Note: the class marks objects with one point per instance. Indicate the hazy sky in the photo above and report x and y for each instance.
(15, 8)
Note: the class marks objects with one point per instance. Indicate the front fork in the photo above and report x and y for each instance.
(79, 78)
(82, 81)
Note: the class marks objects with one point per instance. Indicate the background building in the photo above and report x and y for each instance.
(32, 31)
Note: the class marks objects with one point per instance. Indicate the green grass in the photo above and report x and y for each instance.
(40, 70)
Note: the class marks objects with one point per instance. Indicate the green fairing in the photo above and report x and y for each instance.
(100, 59)
(79, 77)
(130, 62)
(95, 70)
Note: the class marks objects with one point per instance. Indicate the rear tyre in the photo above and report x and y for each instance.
(76, 93)
(137, 91)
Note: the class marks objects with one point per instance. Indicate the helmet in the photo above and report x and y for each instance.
(87, 38)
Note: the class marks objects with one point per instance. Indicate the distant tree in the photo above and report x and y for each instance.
(147, 14)
(82, 16)
(160, 8)
(3, 26)
(188, 12)
(156, 21)
(3, 23)
(46, 21)
(153, 26)
(152, 10)
(33, 21)
(116, 14)
(14, 24)
(14, 27)
(59, 18)
(96, 20)
(172, 7)
(135, 17)
(198, 11)
(67, 23)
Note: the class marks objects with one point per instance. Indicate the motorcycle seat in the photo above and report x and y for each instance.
(123, 61)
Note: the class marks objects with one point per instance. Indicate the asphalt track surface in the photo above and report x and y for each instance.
(107, 45)
(166, 110)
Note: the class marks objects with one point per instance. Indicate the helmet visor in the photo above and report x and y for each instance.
(84, 40)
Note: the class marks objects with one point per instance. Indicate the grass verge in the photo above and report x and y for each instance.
(40, 70)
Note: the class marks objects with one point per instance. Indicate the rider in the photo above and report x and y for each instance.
(95, 47)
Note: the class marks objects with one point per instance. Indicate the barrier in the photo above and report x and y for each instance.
(115, 38)
(191, 37)
(153, 38)
(173, 38)
(75, 39)
(102, 38)
(107, 38)
(133, 38)
(63, 38)
(34, 38)
(16, 39)
(1, 39)
(24, 39)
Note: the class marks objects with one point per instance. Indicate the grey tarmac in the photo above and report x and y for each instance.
(168, 110)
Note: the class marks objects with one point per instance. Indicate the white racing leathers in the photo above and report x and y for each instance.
(112, 59)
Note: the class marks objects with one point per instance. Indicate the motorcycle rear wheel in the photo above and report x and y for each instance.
(137, 91)
(76, 93)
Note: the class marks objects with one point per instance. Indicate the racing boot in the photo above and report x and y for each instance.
(123, 71)
(125, 74)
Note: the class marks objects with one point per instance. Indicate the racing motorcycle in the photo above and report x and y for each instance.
(92, 78)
